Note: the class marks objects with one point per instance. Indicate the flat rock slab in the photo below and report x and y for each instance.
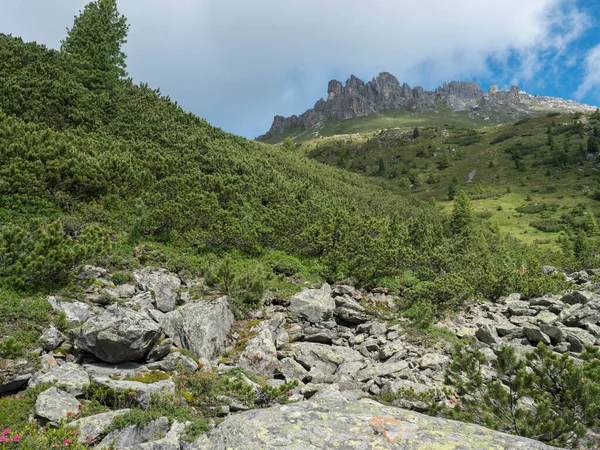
(334, 422)
(70, 376)
(53, 405)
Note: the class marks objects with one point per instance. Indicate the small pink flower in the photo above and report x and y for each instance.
(44, 427)
(89, 438)
(6, 432)
(132, 394)
(67, 441)
(2, 439)
(70, 413)
(452, 402)
(8, 440)
(16, 438)
(76, 432)
(183, 377)
(80, 406)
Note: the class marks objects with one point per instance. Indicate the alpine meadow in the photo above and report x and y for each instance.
(166, 284)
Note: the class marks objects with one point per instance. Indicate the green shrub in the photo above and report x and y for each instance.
(421, 313)
(545, 396)
(121, 277)
(10, 347)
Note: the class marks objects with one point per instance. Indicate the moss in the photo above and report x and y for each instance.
(153, 376)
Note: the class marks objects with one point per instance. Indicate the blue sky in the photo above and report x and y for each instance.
(237, 63)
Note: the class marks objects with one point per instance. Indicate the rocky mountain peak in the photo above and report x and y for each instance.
(385, 93)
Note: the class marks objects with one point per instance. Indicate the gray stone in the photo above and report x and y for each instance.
(579, 315)
(344, 290)
(75, 312)
(164, 286)
(143, 391)
(390, 349)
(52, 405)
(520, 308)
(260, 355)
(15, 374)
(579, 339)
(201, 327)
(348, 310)
(381, 370)
(575, 297)
(94, 426)
(548, 270)
(488, 335)
(173, 360)
(70, 377)
(169, 442)
(557, 334)
(331, 421)
(546, 317)
(509, 331)
(292, 370)
(117, 335)
(434, 361)
(160, 350)
(534, 335)
(313, 305)
(324, 357)
(134, 435)
(51, 339)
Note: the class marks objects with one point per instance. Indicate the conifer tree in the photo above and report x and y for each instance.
(416, 133)
(462, 215)
(591, 225)
(95, 44)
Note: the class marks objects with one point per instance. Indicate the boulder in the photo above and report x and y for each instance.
(201, 327)
(324, 357)
(51, 339)
(575, 297)
(555, 333)
(160, 350)
(135, 435)
(380, 370)
(75, 312)
(169, 442)
(15, 374)
(292, 370)
(534, 335)
(163, 285)
(579, 339)
(348, 310)
(173, 360)
(52, 405)
(313, 305)
(520, 308)
(434, 361)
(93, 426)
(117, 335)
(70, 377)
(260, 355)
(331, 421)
(143, 391)
(488, 335)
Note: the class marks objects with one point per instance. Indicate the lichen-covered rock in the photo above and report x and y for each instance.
(164, 286)
(52, 405)
(173, 360)
(15, 374)
(93, 426)
(313, 305)
(117, 335)
(75, 312)
(326, 358)
(70, 377)
(51, 339)
(260, 355)
(201, 327)
(135, 435)
(331, 421)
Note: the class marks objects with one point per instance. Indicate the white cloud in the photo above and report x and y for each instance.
(239, 62)
(591, 79)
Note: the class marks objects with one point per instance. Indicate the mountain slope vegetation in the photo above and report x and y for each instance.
(117, 173)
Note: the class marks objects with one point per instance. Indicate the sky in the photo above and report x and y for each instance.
(237, 63)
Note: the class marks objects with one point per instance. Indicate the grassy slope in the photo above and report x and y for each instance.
(540, 182)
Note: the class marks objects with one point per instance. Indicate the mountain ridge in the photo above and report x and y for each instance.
(384, 93)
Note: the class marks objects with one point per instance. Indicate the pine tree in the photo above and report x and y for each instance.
(591, 225)
(416, 133)
(463, 216)
(593, 145)
(95, 44)
(451, 191)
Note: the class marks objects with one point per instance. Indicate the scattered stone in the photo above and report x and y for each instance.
(94, 426)
(52, 405)
(117, 335)
(163, 285)
(579, 339)
(15, 374)
(576, 297)
(201, 327)
(313, 305)
(160, 350)
(135, 435)
(75, 312)
(348, 310)
(70, 377)
(534, 335)
(51, 339)
(173, 360)
(488, 335)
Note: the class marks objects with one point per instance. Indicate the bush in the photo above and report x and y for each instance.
(46, 256)
(121, 277)
(544, 396)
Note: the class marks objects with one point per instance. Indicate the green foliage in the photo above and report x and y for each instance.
(463, 216)
(545, 396)
(416, 133)
(121, 277)
(46, 255)
(593, 144)
(32, 437)
(152, 376)
(421, 313)
(11, 348)
(22, 320)
(95, 45)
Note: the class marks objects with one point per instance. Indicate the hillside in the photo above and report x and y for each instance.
(535, 178)
(160, 277)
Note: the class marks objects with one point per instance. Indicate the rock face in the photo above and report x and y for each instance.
(162, 285)
(334, 422)
(200, 327)
(313, 305)
(117, 335)
(385, 93)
